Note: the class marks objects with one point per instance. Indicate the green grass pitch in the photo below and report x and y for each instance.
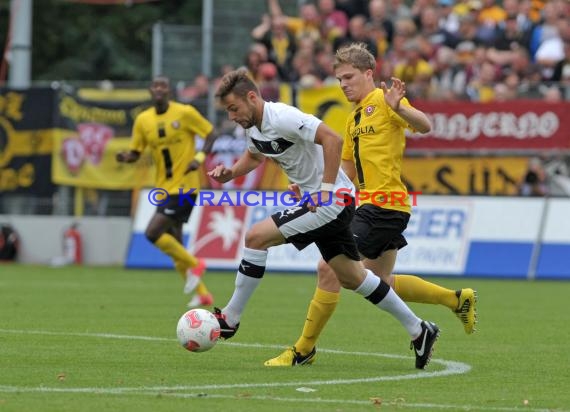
(103, 339)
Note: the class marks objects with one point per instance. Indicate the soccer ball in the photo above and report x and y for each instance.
(198, 330)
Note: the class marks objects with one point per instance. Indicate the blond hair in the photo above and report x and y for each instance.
(357, 55)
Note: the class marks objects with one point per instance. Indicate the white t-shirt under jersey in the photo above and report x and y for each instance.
(287, 136)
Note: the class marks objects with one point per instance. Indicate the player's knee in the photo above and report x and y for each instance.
(254, 239)
(327, 278)
(258, 237)
(324, 270)
(152, 235)
(350, 284)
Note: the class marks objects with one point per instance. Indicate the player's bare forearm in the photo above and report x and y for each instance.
(246, 163)
(128, 157)
(332, 149)
(349, 168)
(209, 142)
(415, 118)
(192, 166)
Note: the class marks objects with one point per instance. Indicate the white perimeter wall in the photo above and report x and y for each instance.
(105, 239)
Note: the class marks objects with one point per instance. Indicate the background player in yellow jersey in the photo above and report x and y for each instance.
(374, 143)
(168, 129)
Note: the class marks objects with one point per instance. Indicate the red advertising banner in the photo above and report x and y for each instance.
(514, 125)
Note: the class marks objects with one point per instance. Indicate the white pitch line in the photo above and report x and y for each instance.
(399, 404)
(451, 367)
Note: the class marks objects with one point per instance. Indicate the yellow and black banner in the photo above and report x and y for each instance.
(465, 175)
(26, 135)
(97, 127)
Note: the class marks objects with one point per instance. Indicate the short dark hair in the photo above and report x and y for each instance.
(237, 82)
(161, 78)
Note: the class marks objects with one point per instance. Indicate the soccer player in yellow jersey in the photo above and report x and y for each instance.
(373, 149)
(168, 129)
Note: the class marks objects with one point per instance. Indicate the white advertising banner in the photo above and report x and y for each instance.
(438, 237)
(447, 235)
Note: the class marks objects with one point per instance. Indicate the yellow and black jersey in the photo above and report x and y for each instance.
(171, 137)
(374, 140)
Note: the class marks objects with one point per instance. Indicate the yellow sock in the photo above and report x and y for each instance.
(201, 289)
(169, 245)
(320, 310)
(181, 268)
(415, 289)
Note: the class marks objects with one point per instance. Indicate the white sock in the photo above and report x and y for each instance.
(250, 272)
(397, 307)
(391, 303)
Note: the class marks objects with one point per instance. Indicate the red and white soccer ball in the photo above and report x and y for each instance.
(198, 330)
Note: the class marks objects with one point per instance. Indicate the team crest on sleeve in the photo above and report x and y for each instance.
(369, 110)
(175, 124)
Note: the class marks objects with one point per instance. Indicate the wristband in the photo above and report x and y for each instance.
(327, 187)
(200, 157)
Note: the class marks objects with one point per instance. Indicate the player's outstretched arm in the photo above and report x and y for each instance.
(414, 117)
(246, 163)
(128, 157)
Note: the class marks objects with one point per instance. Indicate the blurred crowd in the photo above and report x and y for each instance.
(476, 50)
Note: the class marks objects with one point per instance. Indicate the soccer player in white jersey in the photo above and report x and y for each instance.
(309, 152)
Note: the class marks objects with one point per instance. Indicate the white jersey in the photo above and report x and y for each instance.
(287, 136)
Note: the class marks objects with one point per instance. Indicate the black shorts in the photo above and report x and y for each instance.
(328, 228)
(377, 230)
(178, 209)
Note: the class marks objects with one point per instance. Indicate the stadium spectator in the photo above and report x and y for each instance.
(448, 81)
(502, 92)
(448, 17)
(534, 181)
(481, 88)
(398, 10)
(552, 94)
(255, 57)
(558, 175)
(176, 125)
(404, 31)
(531, 85)
(353, 7)
(357, 32)
(510, 35)
(416, 9)
(561, 73)
(491, 14)
(377, 17)
(280, 43)
(196, 94)
(469, 31)
(431, 30)
(305, 70)
(517, 8)
(268, 82)
(334, 22)
(546, 29)
(307, 24)
(324, 61)
(415, 71)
